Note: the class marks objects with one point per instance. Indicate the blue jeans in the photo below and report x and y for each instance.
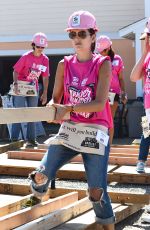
(144, 148)
(20, 101)
(96, 173)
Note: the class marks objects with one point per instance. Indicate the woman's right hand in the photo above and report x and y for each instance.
(61, 111)
(146, 47)
(15, 88)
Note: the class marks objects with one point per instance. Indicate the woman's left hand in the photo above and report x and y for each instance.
(124, 98)
(43, 98)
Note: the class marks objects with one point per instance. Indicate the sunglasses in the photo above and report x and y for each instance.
(81, 34)
(39, 47)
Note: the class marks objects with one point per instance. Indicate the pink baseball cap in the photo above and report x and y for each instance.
(82, 20)
(102, 43)
(40, 39)
(146, 30)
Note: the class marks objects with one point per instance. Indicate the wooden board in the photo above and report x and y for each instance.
(26, 215)
(114, 158)
(24, 167)
(128, 174)
(87, 221)
(116, 197)
(6, 199)
(17, 167)
(32, 114)
(26, 155)
(14, 189)
(127, 150)
(11, 146)
(114, 148)
(125, 146)
(60, 216)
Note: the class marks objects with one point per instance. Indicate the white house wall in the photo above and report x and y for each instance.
(25, 17)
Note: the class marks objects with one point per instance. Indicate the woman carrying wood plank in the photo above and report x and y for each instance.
(82, 80)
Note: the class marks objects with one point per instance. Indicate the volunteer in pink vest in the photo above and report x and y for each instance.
(27, 70)
(83, 81)
(141, 70)
(117, 85)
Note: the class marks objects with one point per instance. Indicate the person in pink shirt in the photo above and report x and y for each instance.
(141, 70)
(28, 69)
(117, 85)
(82, 79)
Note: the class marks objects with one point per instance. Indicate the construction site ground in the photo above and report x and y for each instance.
(117, 183)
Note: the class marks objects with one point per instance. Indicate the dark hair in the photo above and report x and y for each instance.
(91, 31)
(33, 45)
(111, 54)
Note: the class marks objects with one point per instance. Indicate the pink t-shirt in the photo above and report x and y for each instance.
(80, 84)
(146, 68)
(30, 67)
(117, 67)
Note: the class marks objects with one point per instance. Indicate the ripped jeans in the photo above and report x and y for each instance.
(96, 173)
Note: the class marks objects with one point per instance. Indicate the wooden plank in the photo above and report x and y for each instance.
(125, 146)
(131, 170)
(125, 211)
(114, 158)
(76, 171)
(116, 197)
(125, 150)
(33, 150)
(79, 223)
(59, 191)
(24, 167)
(58, 217)
(122, 160)
(128, 174)
(26, 215)
(11, 146)
(24, 155)
(17, 167)
(32, 114)
(14, 189)
(6, 199)
(19, 189)
(126, 198)
(125, 160)
(13, 206)
(85, 221)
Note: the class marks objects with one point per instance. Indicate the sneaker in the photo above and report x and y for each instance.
(14, 140)
(148, 209)
(31, 143)
(146, 219)
(140, 167)
(33, 200)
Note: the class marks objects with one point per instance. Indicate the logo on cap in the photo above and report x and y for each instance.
(42, 41)
(76, 20)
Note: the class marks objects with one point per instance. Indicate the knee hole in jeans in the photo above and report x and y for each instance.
(38, 178)
(95, 194)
